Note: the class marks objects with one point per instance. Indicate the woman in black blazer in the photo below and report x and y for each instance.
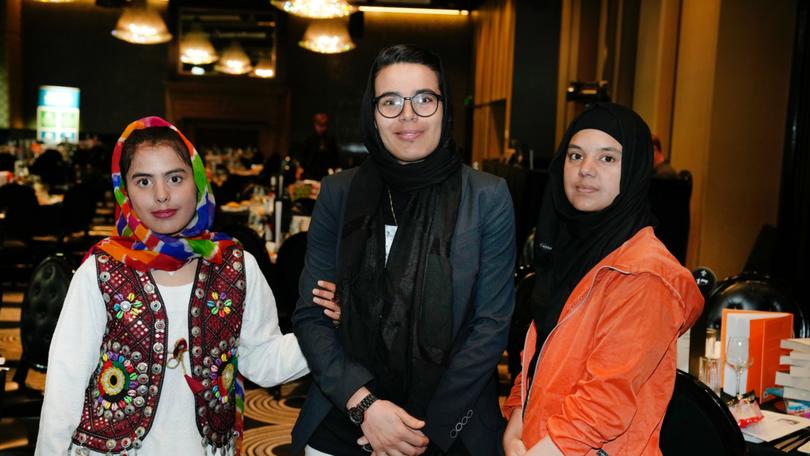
(421, 249)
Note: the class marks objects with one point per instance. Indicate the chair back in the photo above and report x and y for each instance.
(705, 279)
(526, 256)
(20, 203)
(289, 264)
(521, 319)
(303, 206)
(78, 208)
(41, 306)
(698, 422)
(7, 161)
(753, 291)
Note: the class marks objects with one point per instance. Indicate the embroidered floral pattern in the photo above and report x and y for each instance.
(117, 380)
(219, 304)
(223, 375)
(128, 306)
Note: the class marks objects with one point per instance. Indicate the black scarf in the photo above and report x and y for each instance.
(568, 242)
(405, 305)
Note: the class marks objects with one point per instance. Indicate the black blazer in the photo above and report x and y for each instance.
(465, 403)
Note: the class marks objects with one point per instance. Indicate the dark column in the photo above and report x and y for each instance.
(793, 259)
(534, 84)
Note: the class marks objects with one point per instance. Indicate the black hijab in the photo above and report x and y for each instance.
(397, 317)
(569, 242)
(442, 162)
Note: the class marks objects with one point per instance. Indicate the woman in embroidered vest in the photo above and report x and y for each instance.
(608, 304)
(422, 250)
(160, 321)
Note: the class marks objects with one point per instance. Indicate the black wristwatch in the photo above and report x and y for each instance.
(358, 412)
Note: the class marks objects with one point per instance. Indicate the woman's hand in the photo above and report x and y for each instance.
(512, 443)
(324, 295)
(391, 431)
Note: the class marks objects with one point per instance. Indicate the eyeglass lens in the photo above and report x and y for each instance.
(423, 104)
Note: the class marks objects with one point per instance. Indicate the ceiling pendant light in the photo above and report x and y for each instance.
(196, 48)
(327, 36)
(141, 25)
(315, 9)
(266, 68)
(234, 60)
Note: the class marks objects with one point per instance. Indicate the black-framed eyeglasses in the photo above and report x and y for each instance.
(423, 104)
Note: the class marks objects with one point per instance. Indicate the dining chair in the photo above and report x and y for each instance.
(698, 422)
(41, 306)
(754, 291)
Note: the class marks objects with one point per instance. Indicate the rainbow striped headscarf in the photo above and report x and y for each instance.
(142, 249)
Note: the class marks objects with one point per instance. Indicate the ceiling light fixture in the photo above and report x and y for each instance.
(315, 9)
(196, 48)
(401, 10)
(327, 36)
(266, 67)
(234, 60)
(141, 25)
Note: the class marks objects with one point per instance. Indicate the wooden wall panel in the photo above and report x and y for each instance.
(494, 53)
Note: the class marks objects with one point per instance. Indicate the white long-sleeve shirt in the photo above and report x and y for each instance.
(266, 357)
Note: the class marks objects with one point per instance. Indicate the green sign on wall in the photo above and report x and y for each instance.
(58, 114)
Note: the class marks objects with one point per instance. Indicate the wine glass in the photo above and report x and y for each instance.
(738, 358)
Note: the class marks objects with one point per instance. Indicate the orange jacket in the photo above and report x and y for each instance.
(606, 372)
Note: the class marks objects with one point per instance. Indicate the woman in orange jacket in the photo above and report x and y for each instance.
(608, 304)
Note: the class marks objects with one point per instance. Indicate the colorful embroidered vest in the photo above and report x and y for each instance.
(124, 391)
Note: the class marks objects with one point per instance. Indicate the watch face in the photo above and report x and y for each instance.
(356, 415)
